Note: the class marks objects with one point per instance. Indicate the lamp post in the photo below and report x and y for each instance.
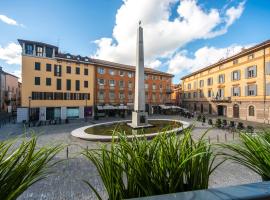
(85, 112)
(29, 114)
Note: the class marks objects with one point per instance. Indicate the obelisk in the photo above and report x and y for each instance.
(139, 116)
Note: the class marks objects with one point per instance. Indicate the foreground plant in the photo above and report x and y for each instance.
(22, 165)
(252, 152)
(163, 165)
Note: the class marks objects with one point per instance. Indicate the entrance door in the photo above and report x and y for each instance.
(210, 109)
(201, 108)
(235, 111)
(220, 110)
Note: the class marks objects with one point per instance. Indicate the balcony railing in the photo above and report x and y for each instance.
(222, 99)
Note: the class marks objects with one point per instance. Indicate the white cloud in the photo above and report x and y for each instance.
(203, 57)
(9, 21)
(11, 53)
(163, 36)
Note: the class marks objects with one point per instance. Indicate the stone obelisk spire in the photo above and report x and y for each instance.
(139, 116)
(139, 102)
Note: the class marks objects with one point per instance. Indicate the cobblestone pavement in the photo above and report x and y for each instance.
(66, 183)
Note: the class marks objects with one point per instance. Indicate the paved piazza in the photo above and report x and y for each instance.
(66, 183)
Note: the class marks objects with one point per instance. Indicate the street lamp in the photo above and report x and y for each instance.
(29, 101)
(85, 112)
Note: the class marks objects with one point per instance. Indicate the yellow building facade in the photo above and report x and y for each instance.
(236, 87)
(55, 85)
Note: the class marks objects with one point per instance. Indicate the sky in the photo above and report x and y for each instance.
(180, 36)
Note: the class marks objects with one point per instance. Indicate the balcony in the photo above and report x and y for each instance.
(221, 99)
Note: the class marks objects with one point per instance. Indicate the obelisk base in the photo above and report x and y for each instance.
(139, 120)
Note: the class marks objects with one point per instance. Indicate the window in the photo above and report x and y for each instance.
(221, 78)
(121, 95)
(251, 90)
(250, 56)
(130, 74)
(129, 84)
(48, 67)
(85, 84)
(68, 70)
(201, 83)
(85, 71)
(57, 70)
(154, 86)
(189, 95)
(39, 51)
(146, 86)
(68, 84)
(111, 72)
(189, 86)
(101, 81)
(29, 49)
(130, 96)
(37, 65)
(235, 61)
(201, 94)
(111, 95)
(209, 93)
(220, 93)
(251, 111)
(77, 85)
(112, 83)
(121, 83)
(48, 81)
(49, 52)
(121, 73)
(145, 76)
(101, 95)
(37, 80)
(236, 75)
(194, 94)
(251, 72)
(210, 81)
(101, 70)
(236, 91)
(160, 86)
(58, 84)
(77, 70)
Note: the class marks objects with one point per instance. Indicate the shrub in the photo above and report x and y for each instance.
(22, 165)
(203, 119)
(224, 122)
(253, 152)
(232, 124)
(240, 126)
(210, 122)
(250, 129)
(163, 165)
(218, 123)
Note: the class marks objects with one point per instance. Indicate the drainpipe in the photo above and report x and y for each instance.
(264, 95)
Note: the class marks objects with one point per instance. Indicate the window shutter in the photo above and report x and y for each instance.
(246, 73)
(268, 89)
(239, 91)
(246, 90)
(267, 66)
(255, 70)
(231, 76)
(255, 90)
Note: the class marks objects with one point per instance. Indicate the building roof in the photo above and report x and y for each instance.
(35, 42)
(231, 58)
(6, 73)
(85, 59)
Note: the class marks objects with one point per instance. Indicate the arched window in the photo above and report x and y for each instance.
(251, 111)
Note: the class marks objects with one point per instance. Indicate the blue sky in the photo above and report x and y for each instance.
(225, 26)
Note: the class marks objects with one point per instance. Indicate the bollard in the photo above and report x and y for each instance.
(67, 152)
(225, 137)
(217, 138)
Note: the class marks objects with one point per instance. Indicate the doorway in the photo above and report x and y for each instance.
(236, 111)
(221, 110)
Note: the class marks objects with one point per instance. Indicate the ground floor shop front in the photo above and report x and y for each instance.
(257, 111)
